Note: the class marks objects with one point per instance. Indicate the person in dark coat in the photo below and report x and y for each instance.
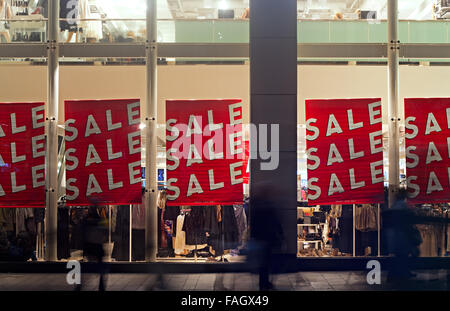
(94, 236)
(267, 235)
(402, 236)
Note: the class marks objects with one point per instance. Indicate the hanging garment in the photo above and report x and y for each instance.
(222, 228)
(428, 248)
(213, 226)
(162, 229)
(139, 216)
(22, 214)
(366, 217)
(439, 232)
(241, 221)
(138, 244)
(113, 219)
(336, 211)
(171, 213)
(180, 240)
(194, 226)
(345, 244)
(39, 215)
(230, 228)
(448, 238)
(121, 237)
(7, 219)
(63, 239)
(77, 215)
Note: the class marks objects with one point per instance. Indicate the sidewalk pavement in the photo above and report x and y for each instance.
(425, 280)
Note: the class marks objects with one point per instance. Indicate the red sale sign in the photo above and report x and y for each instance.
(103, 152)
(246, 162)
(22, 155)
(204, 152)
(427, 132)
(345, 151)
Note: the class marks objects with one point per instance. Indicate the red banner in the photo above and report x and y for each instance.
(427, 131)
(205, 151)
(246, 172)
(22, 155)
(345, 151)
(103, 152)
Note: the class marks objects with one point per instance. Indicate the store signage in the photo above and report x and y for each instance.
(246, 165)
(22, 155)
(427, 133)
(103, 152)
(344, 151)
(205, 152)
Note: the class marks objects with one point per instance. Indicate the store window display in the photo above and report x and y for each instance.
(18, 234)
(434, 235)
(327, 230)
(207, 233)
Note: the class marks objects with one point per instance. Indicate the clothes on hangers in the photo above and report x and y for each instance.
(7, 219)
(63, 236)
(180, 239)
(366, 217)
(121, 236)
(241, 221)
(194, 226)
(138, 216)
(345, 230)
(428, 247)
(171, 214)
(77, 215)
(22, 215)
(39, 215)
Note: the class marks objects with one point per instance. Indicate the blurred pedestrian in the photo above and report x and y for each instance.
(94, 236)
(266, 235)
(402, 236)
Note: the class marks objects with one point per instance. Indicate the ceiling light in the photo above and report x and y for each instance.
(223, 5)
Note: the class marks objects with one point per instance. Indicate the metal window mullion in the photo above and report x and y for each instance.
(393, 100)
(51, 175)
(151, 213)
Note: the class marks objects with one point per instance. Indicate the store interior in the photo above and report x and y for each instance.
(115, 21)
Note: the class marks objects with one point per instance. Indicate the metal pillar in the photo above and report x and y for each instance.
(52, 135)
(151, 213)
(273, 101)
(393, 100)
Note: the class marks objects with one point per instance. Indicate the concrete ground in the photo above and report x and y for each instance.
(301, 281)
